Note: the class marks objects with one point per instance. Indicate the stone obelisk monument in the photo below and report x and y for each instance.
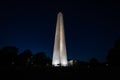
(59, 52)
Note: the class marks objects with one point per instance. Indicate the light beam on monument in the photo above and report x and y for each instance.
(59, 52)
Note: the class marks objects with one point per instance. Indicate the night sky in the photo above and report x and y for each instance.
(91, 27)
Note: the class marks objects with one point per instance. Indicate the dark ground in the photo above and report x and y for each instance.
(44, 73)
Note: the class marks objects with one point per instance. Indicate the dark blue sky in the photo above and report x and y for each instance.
(91, 27)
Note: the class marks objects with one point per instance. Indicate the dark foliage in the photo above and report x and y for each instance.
(40, 59)
(8, 55)
(24, 58)
(27, 62)
(113, 57)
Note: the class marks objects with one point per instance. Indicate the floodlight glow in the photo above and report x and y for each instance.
(59, 52)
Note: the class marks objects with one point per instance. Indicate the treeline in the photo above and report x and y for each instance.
(9, 57)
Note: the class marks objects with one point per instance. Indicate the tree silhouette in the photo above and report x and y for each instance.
(8, 55)
(94, 62)
(24, 58)
(39, 59)
(113, 56)
(48, 61)
(117, 43)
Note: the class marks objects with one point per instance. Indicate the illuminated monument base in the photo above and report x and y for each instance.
(59, 52)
